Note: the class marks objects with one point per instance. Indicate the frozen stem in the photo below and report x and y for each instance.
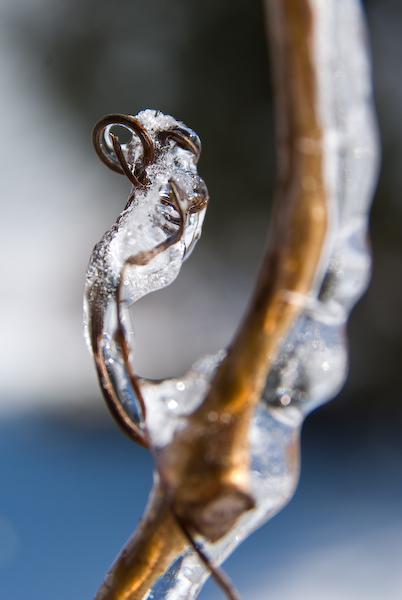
(315, 267)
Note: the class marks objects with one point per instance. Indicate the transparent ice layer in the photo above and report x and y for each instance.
(311, 364)
(150, 218)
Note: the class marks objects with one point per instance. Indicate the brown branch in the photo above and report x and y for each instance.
(205, 468)
(157, 541)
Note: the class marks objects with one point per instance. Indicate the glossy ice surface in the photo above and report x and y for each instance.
(145, 222)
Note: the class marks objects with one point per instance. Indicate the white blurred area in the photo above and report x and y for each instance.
(352, 570)
(48, 202)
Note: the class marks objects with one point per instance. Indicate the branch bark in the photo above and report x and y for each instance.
(205, 469)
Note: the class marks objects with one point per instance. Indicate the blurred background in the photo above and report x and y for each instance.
(72, 487)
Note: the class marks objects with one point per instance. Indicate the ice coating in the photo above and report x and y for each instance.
(149, 219)
(311, 365)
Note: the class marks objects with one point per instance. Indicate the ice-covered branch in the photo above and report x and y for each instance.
(225, 436)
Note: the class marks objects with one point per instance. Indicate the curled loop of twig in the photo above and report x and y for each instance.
(121, 165)
(182, 138)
